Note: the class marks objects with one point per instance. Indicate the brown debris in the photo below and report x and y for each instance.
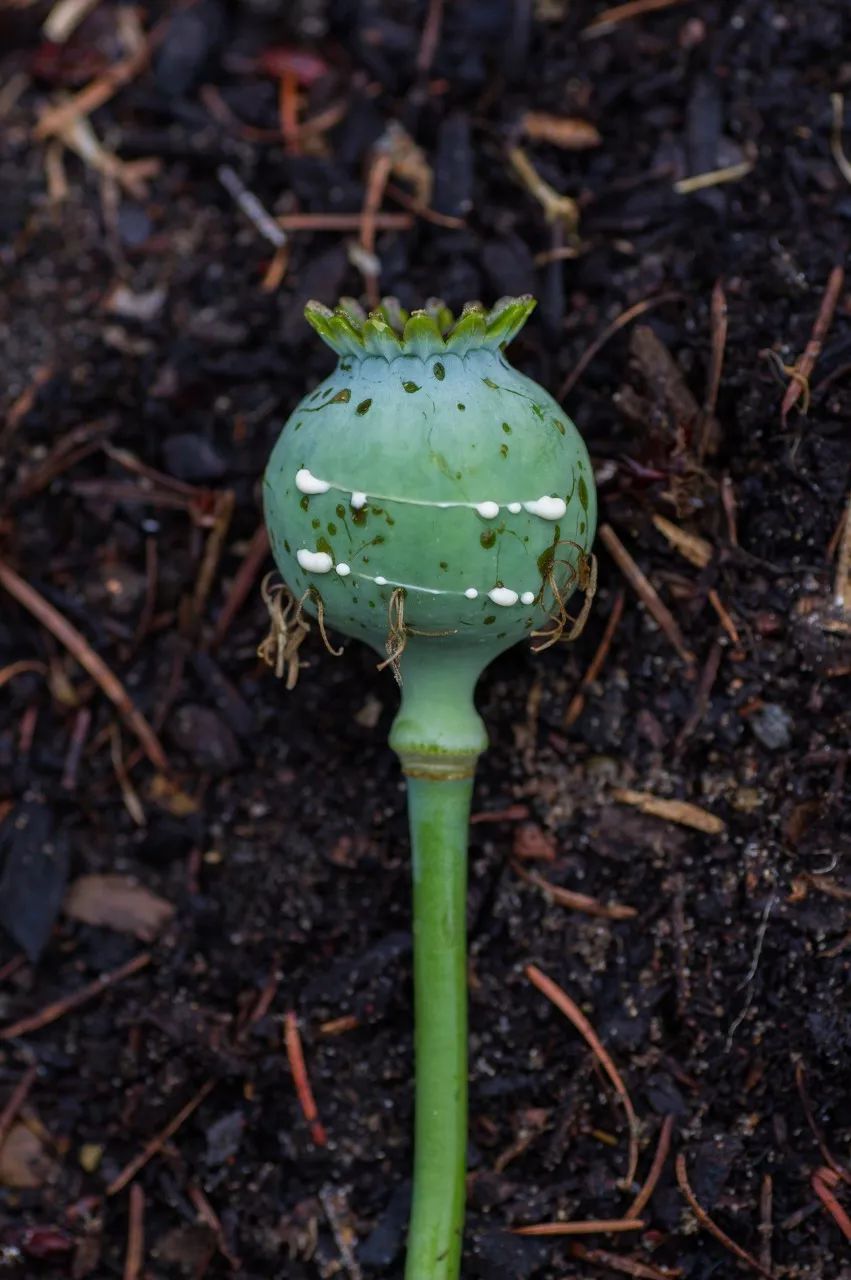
(624, 1263)
(567, 132)
(563, 1002)
(603, 1227)
(24, 1162)
(620, 322)
(801, 370)
(556, 207)
(610, 18)
(118, 902)
(641, 1201)
(134, 1259)
(576, 901)
(679, 811)
(706, 1222)
(301, 1080)
(646, 592)
(698, 551)
(58, 1008)
(577, 703)
(153, 1148)
(823, 1182)
(79, 647)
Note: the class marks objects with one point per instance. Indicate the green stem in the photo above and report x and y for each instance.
(438, 736)
(439, 816)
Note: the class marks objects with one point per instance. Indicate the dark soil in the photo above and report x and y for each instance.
(137, 324)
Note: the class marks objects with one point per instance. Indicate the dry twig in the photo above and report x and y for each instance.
(16, 1100)
(663, 1147)
(295, 1055)
(646, 592)
(79, 647)
(576, 901)
(619, 322)
(804, 367)
(563, 1002)
(679, 811)
(577, 703)
(604, 1226)
(152, 1148)
(52, 1012)
(822, 1182)
(135, 1256)
(706, 1222)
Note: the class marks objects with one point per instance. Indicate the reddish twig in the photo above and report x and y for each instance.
(766, 1226)
(295, 1055)
(576, 901)
(58, 1009)
(222, 516)
(623, 1263)
(822, 1182)
(420, 210)
(76, 742)
(25, 666)
(208, 1215)
(826, 1155)
(343, 221)
(135, 1257)
(18, 1096)
(76, 643)
(12, 966)
(812, 351)
(620, 322)
(706, 1222)
(646, 592)
(663, 1147)
(128, 1173)
(579, 1228)
(623, 12)
(244, 579)
(718, 323)
(563, 1002)
(430, 37)
(577, 702)
(514, 813)
(380, 168)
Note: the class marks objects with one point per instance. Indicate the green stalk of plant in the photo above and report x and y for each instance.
(431, 500)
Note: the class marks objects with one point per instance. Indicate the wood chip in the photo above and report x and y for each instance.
(568, 132)
(118, 902)
(679, 811)
(691, 546)
(24, 1162)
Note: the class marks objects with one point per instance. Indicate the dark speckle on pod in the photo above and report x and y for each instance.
(488, 538)
(462, 407)
(558, 424)
(489, 620)
(503, 448)
(363, 407)
(304, 503)
(506, 428)
(438, 371)
(342, 397)
(583, 493)
(411, 387)
(341, 511)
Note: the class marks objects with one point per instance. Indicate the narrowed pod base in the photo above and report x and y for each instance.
(429, 499)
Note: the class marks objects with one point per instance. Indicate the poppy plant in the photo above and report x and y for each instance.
(431, 500)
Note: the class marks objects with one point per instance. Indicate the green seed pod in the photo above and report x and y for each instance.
(426, 497)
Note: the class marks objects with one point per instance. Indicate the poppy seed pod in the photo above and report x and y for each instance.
(426, 497)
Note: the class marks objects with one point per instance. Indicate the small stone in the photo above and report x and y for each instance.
(772, 725)
(206, 739)
(91, 1154)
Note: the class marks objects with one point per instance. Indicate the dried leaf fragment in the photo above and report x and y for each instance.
(120, 903)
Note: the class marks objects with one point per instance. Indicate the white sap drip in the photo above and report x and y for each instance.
(306, 482)
(314, 561)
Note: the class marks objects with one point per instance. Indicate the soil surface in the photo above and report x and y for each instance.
(153, 344)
